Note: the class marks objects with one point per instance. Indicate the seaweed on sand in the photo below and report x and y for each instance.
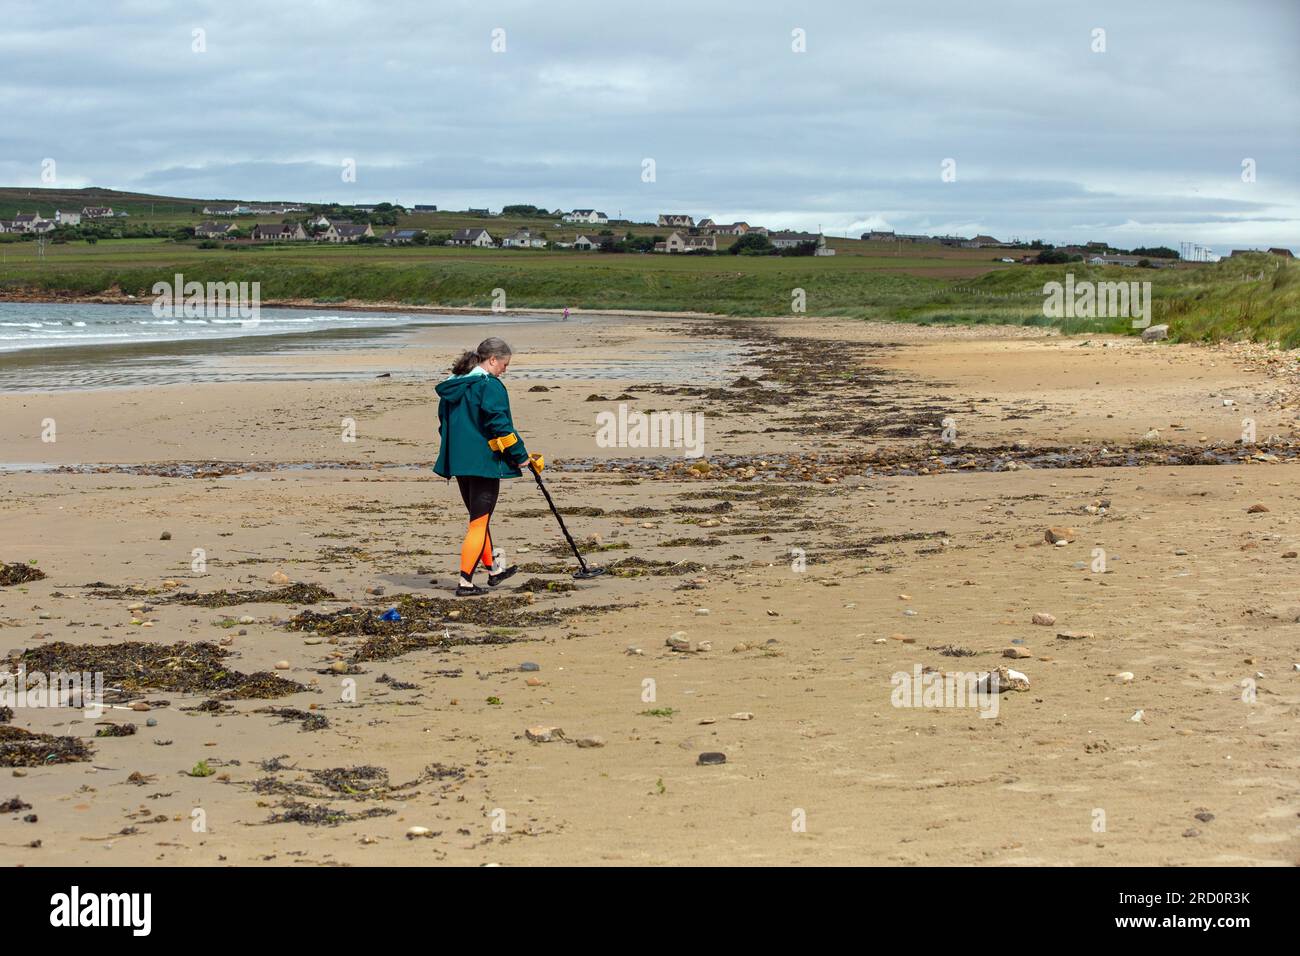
(319, 815)
(425, 623)
(135, 667)
(534, 585)
(287, 715)
(19, 573)
(23, 748)
(290, 594)
(346, 783)
(641, 567)
(116, 730)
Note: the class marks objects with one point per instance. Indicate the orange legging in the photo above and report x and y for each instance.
(480, 497)
(476, 547)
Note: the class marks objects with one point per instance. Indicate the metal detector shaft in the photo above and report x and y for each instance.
(555, 511)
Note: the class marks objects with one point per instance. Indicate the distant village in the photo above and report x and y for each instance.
(686, 235)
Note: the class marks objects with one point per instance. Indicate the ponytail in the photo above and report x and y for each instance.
(488, 348)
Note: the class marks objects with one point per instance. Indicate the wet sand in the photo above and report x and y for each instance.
(920, 563)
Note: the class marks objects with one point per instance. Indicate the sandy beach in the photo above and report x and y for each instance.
(872, 500)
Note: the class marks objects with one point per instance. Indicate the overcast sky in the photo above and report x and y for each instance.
(1140, 144)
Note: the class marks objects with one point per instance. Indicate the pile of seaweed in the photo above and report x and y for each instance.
(307, 720)
(351, 783)
(343, 783)
(135, 667)
(642, 567)
(425, 622)
(292, 594)
(319, 815)
(18, 573)
(23, 748)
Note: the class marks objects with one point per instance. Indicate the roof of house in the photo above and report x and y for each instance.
(470, 234)
(403, 233)
(350, 229)
(801, 236)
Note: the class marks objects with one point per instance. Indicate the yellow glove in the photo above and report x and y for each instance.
(536, 461)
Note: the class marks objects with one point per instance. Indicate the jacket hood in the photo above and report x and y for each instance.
(455, 388)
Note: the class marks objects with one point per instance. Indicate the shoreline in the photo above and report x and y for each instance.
(356, 305)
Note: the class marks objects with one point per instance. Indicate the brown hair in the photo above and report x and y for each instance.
(488, 348)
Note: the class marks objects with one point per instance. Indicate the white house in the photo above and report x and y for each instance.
(523, 239)
(213, 230)
(676, 219)
(277, 232)
(586, 215)
(27, 222)
(684, 242)
(786, 239)
(471, 237)
(351, 232)
(67, 218)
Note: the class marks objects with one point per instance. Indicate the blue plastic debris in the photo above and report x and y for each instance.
(390, 615)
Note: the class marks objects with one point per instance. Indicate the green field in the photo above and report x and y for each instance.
(1253, 297)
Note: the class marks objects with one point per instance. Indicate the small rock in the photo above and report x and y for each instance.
(1257, 509)
(246, 619)
(711, 758)
(165, 536)
(1045, 619)
(742, 715)
(415, 833)
(1016, 653)
(1205, 816)
(280, 578)
(1002, 680)
(1056, 535)
(282, 665)
(1124, 677)
(1155, 333)
(590, 740)
(1073, 635)
(1138, 717)
(140, 706)
(544, 735)
(529, 666)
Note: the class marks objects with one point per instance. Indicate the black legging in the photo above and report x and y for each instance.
(480, 497)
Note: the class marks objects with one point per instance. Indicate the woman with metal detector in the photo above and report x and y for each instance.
(479, 446)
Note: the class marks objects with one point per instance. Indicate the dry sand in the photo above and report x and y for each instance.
(1198, 597)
